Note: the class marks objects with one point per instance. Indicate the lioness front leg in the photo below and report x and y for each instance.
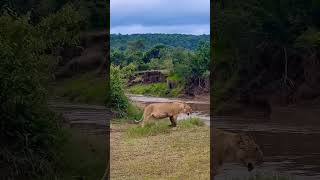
(173, 120)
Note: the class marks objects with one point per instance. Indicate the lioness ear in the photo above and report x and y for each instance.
(181, 105)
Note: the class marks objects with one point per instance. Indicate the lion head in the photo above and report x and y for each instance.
(187, 109)
(184, 107)
(248, 152)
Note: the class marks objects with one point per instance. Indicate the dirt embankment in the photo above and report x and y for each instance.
(194, 88)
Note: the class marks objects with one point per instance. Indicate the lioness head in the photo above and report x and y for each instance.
(184, 107)
(248, 152)
(187, 109)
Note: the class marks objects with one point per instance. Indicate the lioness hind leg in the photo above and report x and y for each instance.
(145, 119)
(173, 121)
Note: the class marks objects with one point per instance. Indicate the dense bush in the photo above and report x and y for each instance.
(29, 130)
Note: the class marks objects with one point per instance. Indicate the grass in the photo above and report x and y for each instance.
(155, 89)
(175, 77)
(133, 113)
(82, 156)
(181, 153)
(85, 88)
(162, 127)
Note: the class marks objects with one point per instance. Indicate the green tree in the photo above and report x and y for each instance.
(153, 53)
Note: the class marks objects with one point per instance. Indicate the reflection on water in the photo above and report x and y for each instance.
(289, 139)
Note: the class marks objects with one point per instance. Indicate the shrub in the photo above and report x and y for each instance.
(119, 103)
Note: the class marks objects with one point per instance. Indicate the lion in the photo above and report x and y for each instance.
(233, 147)
(164, 110)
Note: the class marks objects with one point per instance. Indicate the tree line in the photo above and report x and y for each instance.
(121, 41)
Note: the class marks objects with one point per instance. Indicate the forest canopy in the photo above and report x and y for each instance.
(119, 41)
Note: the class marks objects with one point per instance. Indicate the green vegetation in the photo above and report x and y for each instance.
(93, 12)
(191, 42)
(29, 129)
(134, 112)
(155, 128)
(273, 50)
(188, 69)
(30, 133)
(118, 100)
(154, 89)
(84, 88)
(191, 122)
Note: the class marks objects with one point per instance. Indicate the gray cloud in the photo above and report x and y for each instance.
(160, 15)
(197, 29)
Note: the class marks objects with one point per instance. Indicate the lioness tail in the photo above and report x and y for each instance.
(137, 121)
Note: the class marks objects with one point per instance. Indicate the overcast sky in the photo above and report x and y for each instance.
(160, 16)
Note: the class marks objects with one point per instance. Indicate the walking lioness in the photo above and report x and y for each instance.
(164, 110)
(233, 147)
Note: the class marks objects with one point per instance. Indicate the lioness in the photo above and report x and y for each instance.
(164, 110)
(232, 147)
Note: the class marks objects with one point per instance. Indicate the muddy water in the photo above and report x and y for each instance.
(289, 139)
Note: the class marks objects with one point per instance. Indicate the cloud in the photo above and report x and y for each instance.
(164, 14)
(168, 29)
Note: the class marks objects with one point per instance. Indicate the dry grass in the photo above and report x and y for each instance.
(182, 153)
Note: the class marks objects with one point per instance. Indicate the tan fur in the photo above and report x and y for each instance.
(164, 110)
(233, 147)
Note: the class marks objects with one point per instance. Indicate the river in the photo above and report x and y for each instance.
(289, 139)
